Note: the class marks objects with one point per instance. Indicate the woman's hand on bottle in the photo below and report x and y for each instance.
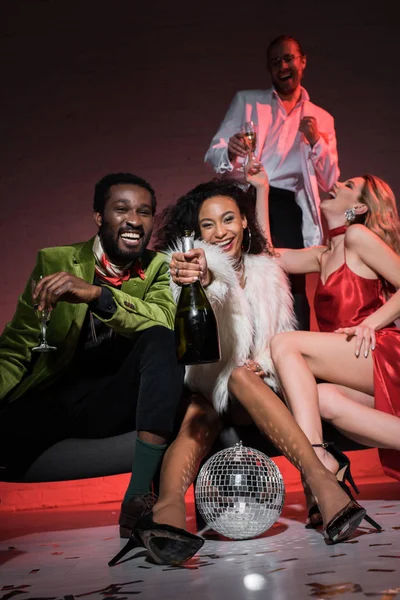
(364, 335)
(190, 266)
(256, 175)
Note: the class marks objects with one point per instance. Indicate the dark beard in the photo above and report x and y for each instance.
(114, 252)
(283, 88)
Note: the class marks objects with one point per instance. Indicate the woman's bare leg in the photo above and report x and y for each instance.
(273, 418)
(353, 414)
(199, 429)
(300, 357)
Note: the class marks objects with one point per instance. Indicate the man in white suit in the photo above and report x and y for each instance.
(296, 143)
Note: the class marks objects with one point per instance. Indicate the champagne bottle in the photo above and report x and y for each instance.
(196, 330)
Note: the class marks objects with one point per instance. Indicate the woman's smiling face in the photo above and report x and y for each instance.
(222, 224)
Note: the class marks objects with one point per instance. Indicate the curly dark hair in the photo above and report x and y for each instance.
(176, 218)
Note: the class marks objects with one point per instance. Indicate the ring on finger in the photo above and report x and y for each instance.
(177, 272)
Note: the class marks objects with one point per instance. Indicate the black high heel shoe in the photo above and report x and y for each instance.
(167, 545)
(314, 523)
(367, 517)
(343, 474)
(346, 521)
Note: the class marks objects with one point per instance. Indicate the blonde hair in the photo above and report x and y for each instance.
(382, 217)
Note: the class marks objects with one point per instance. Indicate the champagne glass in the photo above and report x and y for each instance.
(44, 318)
(249, 138)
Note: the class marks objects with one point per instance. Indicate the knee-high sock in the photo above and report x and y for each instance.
(145, 464)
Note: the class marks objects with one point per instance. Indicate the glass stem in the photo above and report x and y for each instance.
(43, 328)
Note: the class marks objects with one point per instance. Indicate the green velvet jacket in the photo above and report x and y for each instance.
(140, 304)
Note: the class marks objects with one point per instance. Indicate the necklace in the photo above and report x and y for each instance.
(337, 231)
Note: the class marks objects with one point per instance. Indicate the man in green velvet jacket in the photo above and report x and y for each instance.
(111, 320)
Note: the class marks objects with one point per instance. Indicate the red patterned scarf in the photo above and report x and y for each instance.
(115, 275)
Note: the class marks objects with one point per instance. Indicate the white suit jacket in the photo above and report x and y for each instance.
(319, 165)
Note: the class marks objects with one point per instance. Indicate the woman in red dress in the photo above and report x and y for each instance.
(358, 347)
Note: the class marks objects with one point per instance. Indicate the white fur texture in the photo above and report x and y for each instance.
(247, 319)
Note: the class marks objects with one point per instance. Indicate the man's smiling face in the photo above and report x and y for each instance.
(286, 65)
(126, 225)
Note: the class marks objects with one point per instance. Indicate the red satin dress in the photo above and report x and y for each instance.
(345, 300)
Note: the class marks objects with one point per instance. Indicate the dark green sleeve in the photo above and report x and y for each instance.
(19, 336)
(135, 314)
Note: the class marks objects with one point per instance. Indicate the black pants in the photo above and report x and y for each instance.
(137, 385)
(285, 222)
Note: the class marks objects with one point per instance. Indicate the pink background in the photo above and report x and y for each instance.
(89, 88)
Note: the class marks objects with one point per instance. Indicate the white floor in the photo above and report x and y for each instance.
(287, 563)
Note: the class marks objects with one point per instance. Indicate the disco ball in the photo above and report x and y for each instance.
(240, 492)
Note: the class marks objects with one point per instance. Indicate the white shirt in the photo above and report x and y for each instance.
(287, 156)
(281, 153)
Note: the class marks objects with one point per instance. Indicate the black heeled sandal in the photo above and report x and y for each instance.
(367, 518)
(343, 474)
(130, 544)
(317, 522)
(346, 521)
(167, 545)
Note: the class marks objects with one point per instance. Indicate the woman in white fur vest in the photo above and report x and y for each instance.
(249, 292)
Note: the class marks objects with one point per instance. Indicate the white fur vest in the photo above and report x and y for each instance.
(247, 319)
